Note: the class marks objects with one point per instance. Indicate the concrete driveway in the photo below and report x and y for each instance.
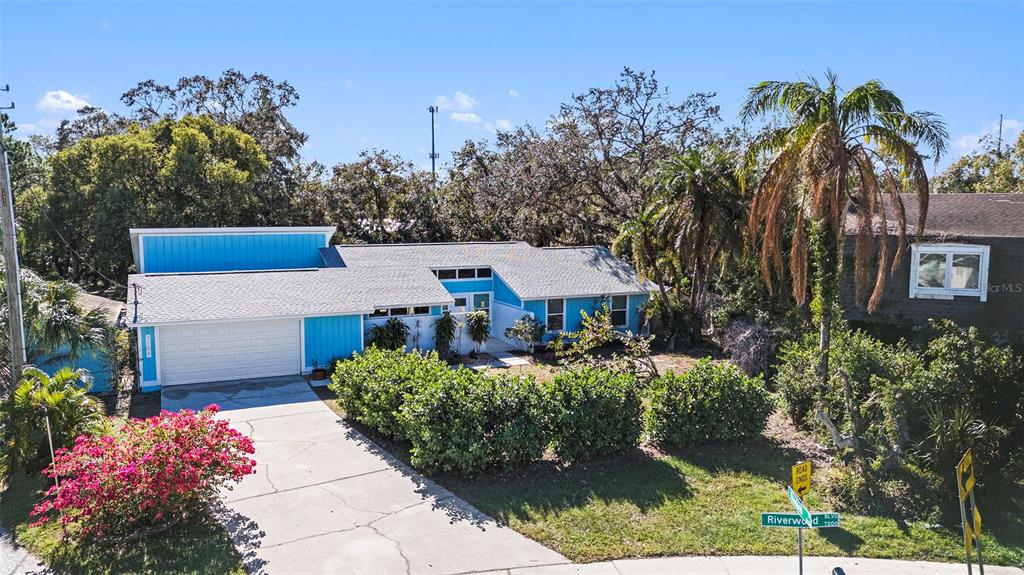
(325, 499)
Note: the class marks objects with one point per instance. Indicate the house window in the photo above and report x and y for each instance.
(379, 313)
(556, 314)
(483, 272)
(445, 274)
(399, 311)
(942, 271)
(466, 274)
(421, 310)
(460, 302)
(618, 308)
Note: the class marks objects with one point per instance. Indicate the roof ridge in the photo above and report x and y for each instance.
(394, 244)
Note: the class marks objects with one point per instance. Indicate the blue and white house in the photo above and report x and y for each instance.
(215, 304)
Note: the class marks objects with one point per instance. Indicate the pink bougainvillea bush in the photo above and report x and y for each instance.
(147, 474)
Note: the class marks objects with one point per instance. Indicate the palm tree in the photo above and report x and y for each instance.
(63, 399)
(698, 209)
(642, 243)
(831, 153)
(57, 328)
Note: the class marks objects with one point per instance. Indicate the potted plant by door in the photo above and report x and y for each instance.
(319, 373)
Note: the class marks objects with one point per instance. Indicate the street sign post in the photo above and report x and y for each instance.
(968, 508)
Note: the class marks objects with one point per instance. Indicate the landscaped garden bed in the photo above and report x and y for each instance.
(693, 482)
(134, 495)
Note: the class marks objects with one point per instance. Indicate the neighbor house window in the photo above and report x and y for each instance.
(399, 311)
(421, 310)
(942, 271)
(483, 272)
(618, 308)
(445, 274)
(556, 314)
(460, 302)
(467, 274)
(379, 313)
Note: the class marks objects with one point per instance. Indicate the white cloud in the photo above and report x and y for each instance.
(460, 102)
(59, 101)
(469, 117)
(503, 124)
(513, 93)
(348, 83)
(969, 143)
(104, 23)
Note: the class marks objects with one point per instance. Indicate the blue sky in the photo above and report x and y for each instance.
(367, 72)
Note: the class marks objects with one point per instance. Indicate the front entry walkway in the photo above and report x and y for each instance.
(325, 499)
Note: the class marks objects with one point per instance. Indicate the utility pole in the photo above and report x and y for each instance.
(15, 319)
(433, 154)
(999, 141)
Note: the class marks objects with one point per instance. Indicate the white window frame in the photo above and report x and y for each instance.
(624, 309)
(548, 314)
(949, 250)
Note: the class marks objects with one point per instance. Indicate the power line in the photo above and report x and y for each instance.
(80, 256)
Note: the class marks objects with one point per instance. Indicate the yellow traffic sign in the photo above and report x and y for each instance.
(965, 475)
(802, 478)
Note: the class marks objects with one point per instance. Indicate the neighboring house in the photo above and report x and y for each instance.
(217, 304)
(969, 267)
(93, 360)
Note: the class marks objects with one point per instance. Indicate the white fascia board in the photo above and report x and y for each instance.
(229, 230)
(293, 316)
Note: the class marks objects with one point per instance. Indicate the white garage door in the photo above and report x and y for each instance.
(222, 351)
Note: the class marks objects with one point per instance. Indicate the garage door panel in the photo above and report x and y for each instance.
(218, 352)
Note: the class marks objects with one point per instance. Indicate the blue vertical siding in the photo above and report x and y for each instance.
(633, 311)
(327, 338)
(573, 308)
(467, 286)
(504, 294)
(538, 308)
(148, 361)
(218, 252)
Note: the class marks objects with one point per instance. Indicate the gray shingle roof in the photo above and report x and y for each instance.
(533, 273)
(968, 215)
(251, 295)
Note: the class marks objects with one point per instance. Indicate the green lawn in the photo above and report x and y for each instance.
(708, 502)
(202, 548)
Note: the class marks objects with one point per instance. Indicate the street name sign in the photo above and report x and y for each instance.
(818, 520)
(798, 504)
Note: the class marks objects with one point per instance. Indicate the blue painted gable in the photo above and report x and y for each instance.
(234, 252)
(504, 294)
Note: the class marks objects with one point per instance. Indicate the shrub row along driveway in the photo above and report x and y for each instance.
(325, 499)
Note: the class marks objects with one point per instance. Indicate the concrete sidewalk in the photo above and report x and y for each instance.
(324, 499)
(755, 566)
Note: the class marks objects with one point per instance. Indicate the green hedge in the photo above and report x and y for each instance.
(708, 403)
(466, 423)
(372, 386)
(593, 412)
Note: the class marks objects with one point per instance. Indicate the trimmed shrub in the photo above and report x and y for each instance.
(392, 334)
(148, 474)
(466, 423)
(593, 412)
(708, 403)
(371, 386)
